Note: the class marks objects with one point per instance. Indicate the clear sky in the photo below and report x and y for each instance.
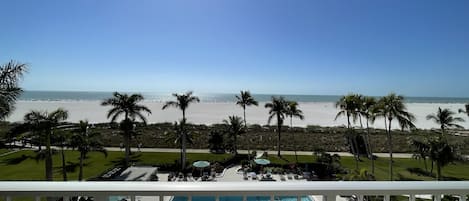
(412, 47)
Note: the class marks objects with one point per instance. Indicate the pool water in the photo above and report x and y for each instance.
(239, 198)
(228, 198)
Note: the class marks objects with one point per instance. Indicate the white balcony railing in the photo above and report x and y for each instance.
(328, 191)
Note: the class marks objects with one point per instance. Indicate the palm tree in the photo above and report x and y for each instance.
(129, 107)
(245, 99)
(445, 118)
(465, 110)
(278, 108)
(294, 111)
(442, 153)
(62, 139)
(421, 150)
(349, 106)
(234, 127)
(10, 75)
(392, 107)
(180, 132)
(85, 142)
(45, 123)
(182, 102)
(367, 110)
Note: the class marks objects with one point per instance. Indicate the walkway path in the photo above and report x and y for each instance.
(270, 152)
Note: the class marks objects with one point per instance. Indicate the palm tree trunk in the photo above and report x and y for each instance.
(64, 170)
(425, 163)
(127, 137)
(390, 150)
(279, 126)
(80, 174)
(293, 136)
(247, 136)
(352, 141)
(369, 147)
(183, 141)
(49, 174)
(431, 169)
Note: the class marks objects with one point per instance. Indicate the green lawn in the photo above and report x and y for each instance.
(2, 151)
(22, 165)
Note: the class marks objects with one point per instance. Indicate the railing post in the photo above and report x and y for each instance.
(101, 198)
(65, 198)
(298, 198)
(272, 198)
(189, 198)
(37, 198)
(7, 198)
(161, 197)
(360, 197)
(245, 198)
(463, 198)
(217, 198)
(412, 197)
(387, 198)
(132, 198)
(437, 197)
(329, 197)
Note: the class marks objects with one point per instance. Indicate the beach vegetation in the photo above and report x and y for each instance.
(127, 106)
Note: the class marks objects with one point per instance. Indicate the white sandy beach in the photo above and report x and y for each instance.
(316, 113)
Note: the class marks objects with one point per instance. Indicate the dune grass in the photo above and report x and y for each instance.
(22, 165)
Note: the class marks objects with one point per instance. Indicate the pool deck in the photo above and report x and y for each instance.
(229, 175)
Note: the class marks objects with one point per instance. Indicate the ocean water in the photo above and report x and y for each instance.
(207, 97)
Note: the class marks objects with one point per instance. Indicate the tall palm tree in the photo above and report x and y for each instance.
(245, 99)
(128, 107)
(442, 153)
(180, 134)
(465, 110)
(234, 127)
(393, 107)
(182, 102)
(62, 139)
(349, 106)
(294, 111)
(278, 108)
(367, 110)
(445, 118)
(45, 123)
(85, 142)
(10, 75)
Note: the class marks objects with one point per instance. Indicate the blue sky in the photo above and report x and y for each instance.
(416, 47)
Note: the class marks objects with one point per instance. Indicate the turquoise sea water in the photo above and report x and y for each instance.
(209, 97)
(230, 198)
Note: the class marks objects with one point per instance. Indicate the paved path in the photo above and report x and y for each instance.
(270, 152)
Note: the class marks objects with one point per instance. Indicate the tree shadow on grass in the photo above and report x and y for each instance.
(135, 158)
(16, 160)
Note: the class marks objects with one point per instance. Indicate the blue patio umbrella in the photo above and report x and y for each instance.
(262, 161)
(201, 164)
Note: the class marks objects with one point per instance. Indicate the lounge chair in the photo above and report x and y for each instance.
(245, 176)
(254, 176)
(289, 176)
(282, 177)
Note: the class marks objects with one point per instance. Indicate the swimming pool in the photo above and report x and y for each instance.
(239, 198)
(228, 198)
